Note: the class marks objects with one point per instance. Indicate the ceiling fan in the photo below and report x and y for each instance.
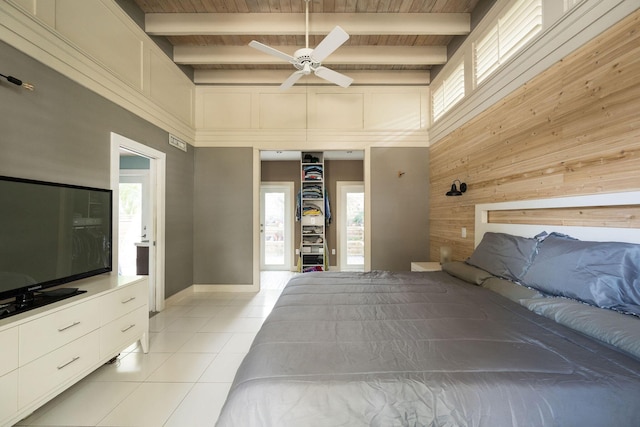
(306, 60)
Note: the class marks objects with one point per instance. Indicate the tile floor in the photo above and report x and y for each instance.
(196, 346)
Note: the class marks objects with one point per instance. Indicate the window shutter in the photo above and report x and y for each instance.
(517, 27)
(438, 102)
(454, 87)
(487, 55)
(449, 92)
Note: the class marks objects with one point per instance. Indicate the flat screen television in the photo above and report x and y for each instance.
(50, 234)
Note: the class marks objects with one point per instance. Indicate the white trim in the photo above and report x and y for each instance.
(179, 296)
(157, 182)
(631, 235)
(224, 288)
(257, 175)
(311, 139)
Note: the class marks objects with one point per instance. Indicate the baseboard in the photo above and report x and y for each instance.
(179, 296)
(225, 288)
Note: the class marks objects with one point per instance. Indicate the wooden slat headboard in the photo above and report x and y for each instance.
(598, 217)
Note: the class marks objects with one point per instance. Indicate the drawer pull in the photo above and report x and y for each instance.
(68, 363)
(68, 326)
(128, 300)
(127, 328)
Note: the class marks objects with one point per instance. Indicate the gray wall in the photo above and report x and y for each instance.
(399, 207)
(62, 132)
(223, 216)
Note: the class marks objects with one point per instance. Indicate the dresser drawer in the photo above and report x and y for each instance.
(9, 352)
(8, 396)
(55, 369)
(47, 333)
(123, 301)
(123, 331)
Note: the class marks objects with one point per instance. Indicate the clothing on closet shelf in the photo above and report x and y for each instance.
(312, 172)
(310, 209)
(310, 158)
(312, 191)
(327, 207)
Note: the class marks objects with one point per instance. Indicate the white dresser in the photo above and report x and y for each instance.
(46, 350)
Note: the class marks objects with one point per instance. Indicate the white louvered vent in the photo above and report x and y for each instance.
(177, 142)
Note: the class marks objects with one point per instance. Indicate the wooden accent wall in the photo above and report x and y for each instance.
(572, 130)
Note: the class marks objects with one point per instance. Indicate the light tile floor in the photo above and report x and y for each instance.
(196, 346)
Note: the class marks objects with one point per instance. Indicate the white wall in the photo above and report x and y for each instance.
(312, 117)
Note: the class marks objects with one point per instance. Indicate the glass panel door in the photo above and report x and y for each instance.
(275, 226)
(351, 226)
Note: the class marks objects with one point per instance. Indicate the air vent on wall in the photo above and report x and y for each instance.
(178, 143)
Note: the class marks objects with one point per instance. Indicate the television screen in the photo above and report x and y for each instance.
(51, 234)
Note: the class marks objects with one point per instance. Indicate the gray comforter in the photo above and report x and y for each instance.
(423, 349)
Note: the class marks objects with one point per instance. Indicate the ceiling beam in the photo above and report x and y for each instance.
(361, 55)
(282, 24)
(276, 77)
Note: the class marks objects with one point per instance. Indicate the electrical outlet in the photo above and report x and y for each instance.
(297, 251)
(333, 251)
(463, 232)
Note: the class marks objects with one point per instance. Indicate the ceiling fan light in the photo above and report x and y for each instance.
(306, 60)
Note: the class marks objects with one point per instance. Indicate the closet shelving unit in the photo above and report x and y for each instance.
(312, 219)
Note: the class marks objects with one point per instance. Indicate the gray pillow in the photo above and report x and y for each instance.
(504, 255)
(617, 329)
(509, 289)
(605, 274)
(466, 272)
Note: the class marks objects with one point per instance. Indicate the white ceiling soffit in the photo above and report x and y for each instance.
(361, 55)
(281, 24)
(287, 155)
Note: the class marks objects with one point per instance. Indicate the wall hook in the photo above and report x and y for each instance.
(400, 173)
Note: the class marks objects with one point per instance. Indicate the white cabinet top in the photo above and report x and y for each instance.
(94, 286)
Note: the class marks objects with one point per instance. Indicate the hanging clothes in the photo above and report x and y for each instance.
(327, 208)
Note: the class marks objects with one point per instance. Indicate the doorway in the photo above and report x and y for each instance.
(134, 218)
(138, 203)
(276, 226)
(350, 225)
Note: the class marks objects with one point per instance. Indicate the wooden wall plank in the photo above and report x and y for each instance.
(600, 216)
(572, 130)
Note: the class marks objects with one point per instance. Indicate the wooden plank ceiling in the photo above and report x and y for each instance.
(391, 41)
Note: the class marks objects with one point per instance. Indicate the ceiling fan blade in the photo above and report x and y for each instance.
(333, 76)
(271, 51)
(293, 78)
(331, 42)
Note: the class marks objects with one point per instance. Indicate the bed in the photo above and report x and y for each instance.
(474, 345)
